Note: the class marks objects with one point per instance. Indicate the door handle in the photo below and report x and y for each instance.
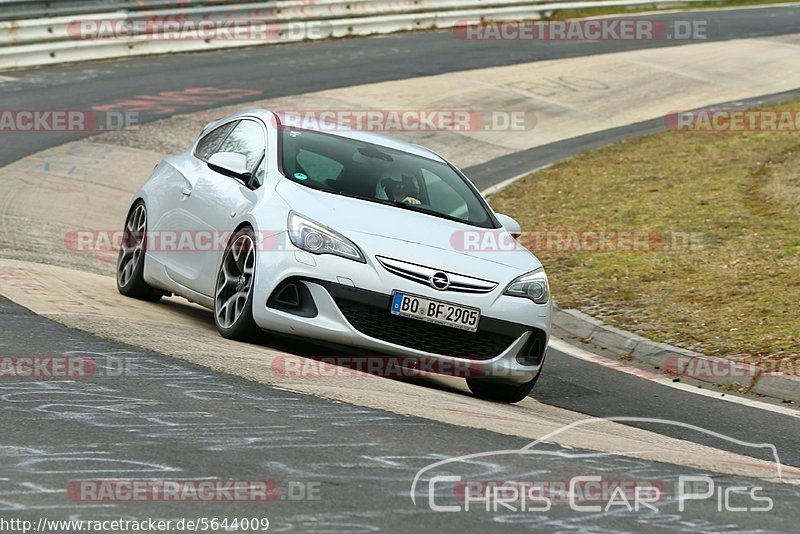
(186, 191)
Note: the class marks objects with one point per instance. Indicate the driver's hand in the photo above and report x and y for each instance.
(412, 201)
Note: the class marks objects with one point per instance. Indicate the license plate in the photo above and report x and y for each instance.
(435, 311)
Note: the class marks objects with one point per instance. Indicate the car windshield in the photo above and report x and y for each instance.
(376, 173)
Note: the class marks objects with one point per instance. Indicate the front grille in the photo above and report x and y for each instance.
(377, 322)
(424, 275)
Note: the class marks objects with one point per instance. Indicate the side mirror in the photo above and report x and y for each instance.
(230, 164)
(511, 226)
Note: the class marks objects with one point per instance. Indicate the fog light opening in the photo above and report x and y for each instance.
(289, 296)
(293, 296)
(531, 354)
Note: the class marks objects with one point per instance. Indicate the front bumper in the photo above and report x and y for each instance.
(502, 349)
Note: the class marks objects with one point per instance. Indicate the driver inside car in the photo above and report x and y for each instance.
(397, 188)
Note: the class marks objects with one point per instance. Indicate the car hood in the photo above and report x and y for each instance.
(374, 226)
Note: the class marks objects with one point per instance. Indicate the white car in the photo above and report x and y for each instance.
(345, 237)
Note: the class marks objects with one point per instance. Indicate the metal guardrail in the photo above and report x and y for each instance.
(30, 9)
(37, 9)
(93, 30)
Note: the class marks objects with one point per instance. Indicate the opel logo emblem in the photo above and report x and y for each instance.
(440, 281)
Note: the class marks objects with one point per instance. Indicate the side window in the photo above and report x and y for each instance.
(208, 145)
(248, 139)
(258, 176)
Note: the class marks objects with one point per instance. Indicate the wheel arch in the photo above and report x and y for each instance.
(246, 223)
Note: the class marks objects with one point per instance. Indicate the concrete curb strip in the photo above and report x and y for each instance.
(677, 361)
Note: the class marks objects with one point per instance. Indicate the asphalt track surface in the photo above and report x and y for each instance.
(331, 467)
(362, 459)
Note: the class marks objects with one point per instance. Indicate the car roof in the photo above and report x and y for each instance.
(368, 137)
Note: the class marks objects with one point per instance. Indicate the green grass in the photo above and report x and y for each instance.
(735, 292)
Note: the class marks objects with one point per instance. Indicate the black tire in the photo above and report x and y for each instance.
(239, 255)
(499, 391)
(130, 261)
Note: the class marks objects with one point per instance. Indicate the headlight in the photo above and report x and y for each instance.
(532, 285)
(315, 238)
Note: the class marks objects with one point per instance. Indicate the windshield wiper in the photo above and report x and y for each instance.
(421, 209)
(399, 204)
(359, 197)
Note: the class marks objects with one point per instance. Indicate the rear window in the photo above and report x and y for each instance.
(210, 142)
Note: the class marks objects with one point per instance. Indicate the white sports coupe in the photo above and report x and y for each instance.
(345, 237)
